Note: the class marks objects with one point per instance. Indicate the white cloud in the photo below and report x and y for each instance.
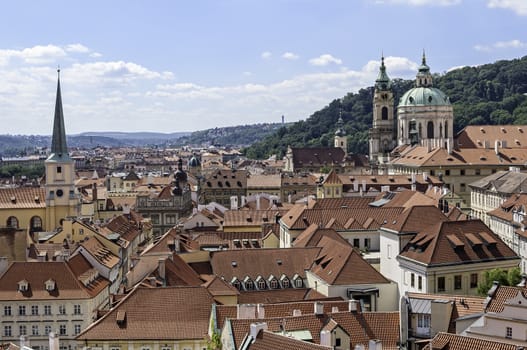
(511, 44)
(420, 2)
(266, 55)
(34, 55)
(324, 60)
(518, 6)
(290, 56)
(95, 55)
(77, 48)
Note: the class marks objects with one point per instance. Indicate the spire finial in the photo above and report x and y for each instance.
(58, 71)
(424, 57)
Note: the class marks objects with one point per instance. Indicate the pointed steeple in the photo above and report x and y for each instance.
(383, 81)
(424, 77)
(59, 148)
(340, 126)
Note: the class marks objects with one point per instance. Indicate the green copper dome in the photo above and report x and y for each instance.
(424, 96)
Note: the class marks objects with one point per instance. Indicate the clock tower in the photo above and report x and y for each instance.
(61, 200)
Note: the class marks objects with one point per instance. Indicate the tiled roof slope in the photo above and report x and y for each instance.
(251, 217)
(344, 202)
(415, 219)
(448, 341)
(171, 313)
(515, 136)
(262, 262)
(339, 263)
(367, 218)
(360, 326)
(313, 234)
(22, 198)
(500, 294)
(457, 242)
(36, 274)
(281, 295)
(267, 340)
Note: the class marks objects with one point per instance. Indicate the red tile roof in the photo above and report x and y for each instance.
(447, 243)
(170, 313)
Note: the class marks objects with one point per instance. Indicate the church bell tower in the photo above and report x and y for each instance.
(61, 200)
(382, 134)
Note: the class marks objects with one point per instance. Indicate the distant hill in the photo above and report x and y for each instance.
(233, 136)
(488, 94)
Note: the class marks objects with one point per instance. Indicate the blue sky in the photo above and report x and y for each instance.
(190, 65)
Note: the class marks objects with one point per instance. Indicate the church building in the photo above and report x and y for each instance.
(43, 208)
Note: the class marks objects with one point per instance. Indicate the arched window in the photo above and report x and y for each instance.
(430, 130)
(36, 223)
(420, 131)
(446, 129)
(261, 284)
(12, 222)
(274, 284)
(384, 113)
(440, 130)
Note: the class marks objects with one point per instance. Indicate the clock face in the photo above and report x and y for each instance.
(59, 193)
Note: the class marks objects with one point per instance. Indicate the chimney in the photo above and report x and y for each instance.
(3, 264)
(319, 308)
(234, 203)
(352, 305)
(260, 310)
(94, 191)
(448, 146)
(23, 342)
(256, 328)
(53, 341)
(497, 147)
(374, 344)
(325, 338)
(161, 269)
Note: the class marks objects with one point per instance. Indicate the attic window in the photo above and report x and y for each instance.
(450, 159)
(37, 199)
(234, 263)
(50, 285)
(120, 318)
(279, 261)
(13, 199)
(520, 130)
(482, 158)
(503, 130)
(23, 286)
(514, 158)
(517, 142)
(482, 130)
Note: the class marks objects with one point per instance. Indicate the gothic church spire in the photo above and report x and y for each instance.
(59, 148)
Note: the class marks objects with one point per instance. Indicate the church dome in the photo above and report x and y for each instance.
(424, 96)
(194, 162)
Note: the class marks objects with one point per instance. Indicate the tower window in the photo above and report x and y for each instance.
(430, 130)
(384, 113)
(59, 169)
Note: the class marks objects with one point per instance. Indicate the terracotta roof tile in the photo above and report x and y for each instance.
(170, 313)
(36, 274)
(22, 198)
(450, 341)
(446, 243)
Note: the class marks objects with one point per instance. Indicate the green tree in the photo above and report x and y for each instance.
(214, 342)
(505, 278)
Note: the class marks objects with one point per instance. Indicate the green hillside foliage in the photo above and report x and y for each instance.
(236, 136)
(487, 94)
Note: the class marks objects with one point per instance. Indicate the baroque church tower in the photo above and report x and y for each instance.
(382, 134)
(61, 200)
(340, 135)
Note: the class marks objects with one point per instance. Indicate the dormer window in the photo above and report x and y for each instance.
(50, 285)
(23, 286)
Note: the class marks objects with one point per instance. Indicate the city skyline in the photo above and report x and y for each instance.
(174, 66)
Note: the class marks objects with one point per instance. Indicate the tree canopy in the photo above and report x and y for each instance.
(487, 94)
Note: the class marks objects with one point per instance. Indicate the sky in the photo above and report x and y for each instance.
(174, 66)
